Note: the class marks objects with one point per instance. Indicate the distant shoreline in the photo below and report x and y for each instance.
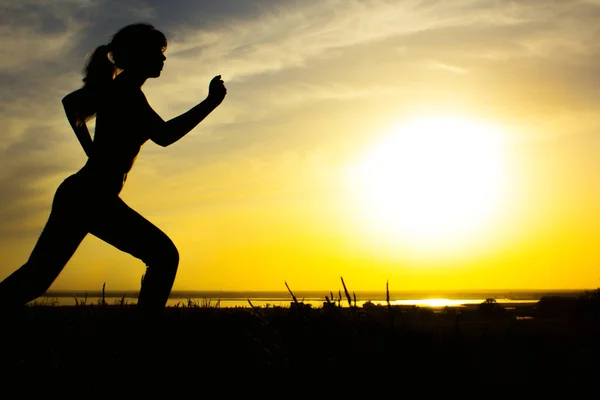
(232, 299)
(320, 295)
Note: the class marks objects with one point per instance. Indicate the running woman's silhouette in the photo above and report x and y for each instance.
(88, 201)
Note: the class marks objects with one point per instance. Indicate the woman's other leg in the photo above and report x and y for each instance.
(124, 228)
(58, 241)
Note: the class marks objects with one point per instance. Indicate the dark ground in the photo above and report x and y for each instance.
(97, 349)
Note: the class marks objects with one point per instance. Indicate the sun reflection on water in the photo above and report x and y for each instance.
(434, 302)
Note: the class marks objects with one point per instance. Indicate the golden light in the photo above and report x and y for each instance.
(434, 183)
(434, 303)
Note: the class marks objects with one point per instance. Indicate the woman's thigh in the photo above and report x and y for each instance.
(60, 237)
(116, 223)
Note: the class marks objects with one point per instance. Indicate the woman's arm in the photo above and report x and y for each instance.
(72, 104)
(166, 133)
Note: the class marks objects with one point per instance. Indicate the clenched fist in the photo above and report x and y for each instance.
(217, 90)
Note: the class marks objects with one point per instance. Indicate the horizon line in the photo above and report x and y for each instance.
(326, 292)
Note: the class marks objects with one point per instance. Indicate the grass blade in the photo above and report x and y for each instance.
(387, 294)
(292, 293)
(347, 294)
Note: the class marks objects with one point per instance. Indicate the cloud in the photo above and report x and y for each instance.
(289, 38)
(34, 33)
(455, 69)
(449, 36)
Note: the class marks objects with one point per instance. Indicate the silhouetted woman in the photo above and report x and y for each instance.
(88, 201)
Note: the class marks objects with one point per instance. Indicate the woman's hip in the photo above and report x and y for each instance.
(78, 193)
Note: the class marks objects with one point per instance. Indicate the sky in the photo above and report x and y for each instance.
(305, 173)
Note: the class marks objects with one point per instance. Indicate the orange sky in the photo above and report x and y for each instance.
(263, 191)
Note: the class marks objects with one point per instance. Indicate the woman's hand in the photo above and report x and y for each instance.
(166, 133)
(216, 90)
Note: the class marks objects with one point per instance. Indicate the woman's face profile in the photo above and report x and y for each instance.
(149, 62)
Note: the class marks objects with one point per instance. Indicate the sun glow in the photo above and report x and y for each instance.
(433, 183)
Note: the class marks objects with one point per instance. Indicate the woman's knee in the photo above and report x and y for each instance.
(164, 254)
(171, 254)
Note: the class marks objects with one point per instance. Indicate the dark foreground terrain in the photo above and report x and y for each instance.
(98, 349)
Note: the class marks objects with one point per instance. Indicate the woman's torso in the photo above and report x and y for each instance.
(118, 138)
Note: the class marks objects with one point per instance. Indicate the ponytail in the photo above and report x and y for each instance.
(99, 70)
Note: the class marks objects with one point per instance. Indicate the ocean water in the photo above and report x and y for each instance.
(432, 299)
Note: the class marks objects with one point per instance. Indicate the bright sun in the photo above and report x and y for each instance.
(434, 182)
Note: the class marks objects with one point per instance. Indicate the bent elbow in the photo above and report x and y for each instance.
(71, 97)
(67, 101)
(161, 135)
(161, 141)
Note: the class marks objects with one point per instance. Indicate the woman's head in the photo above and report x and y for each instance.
(137, 48)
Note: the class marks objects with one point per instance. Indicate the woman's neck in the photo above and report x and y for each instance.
(131, 79)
